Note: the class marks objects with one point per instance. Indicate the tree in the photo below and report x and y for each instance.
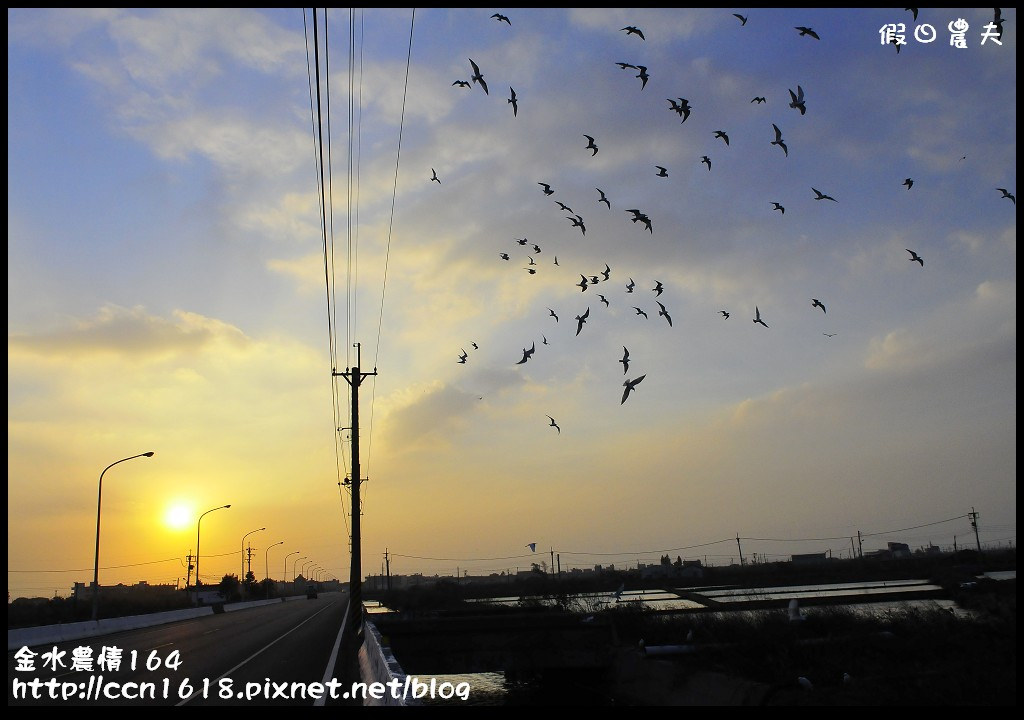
(229, 588)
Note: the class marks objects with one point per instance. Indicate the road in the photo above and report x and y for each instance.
(272, 653)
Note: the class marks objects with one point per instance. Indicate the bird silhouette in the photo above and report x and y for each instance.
(639, 311)
(829, 334)
(591, 145)
(532, 546)
(1007, 194)
(721, 134)
(706, 160)
(807, 31)
(522, 241)
(630, 285)
(532, 271)
(630, 385)
(554, 424)
(625, 360)
(582, 284)
(603, 198)
(604, 300)
(577, 221)
(997, 20)
(435, 178)
(501, 18)
(662, 172)
(743, 20)
(514, 102)
(536, 248)
(776, 206)
(914, 257)
(477, 77)
(822, 196)
(757, 316)
(663, 312)
(724, 314)
(913, 10)
(778, 140)
(527, 354)
(797, 100)
(563, 206)
(532, 261)
(815, 302)
(581, 320)
(909, 183)
(544, 339)
(682, 108)
(759, 100)
(547, 189)
(461, 83)
(630, 30)
(626, 65)
(504, 256)
(606, 273)
(462, 357)
(552, 313)
(644, 77)
(658, 288)
(475, 346)
(556, 260)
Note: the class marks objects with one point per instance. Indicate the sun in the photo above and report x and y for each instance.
(178, 516)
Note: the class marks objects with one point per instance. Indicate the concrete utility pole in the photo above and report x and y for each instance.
(552, 558)
(740, 549)
(355, 606)
(387, 565)
(860, 544)
(974, 524)
(188, 576)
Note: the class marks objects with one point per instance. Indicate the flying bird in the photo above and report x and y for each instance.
(536, 248)
(913, 10)
(583, 283)
(721, 134)
(591, 145)
(522, 241)
(552, 313)
(532, 546)
(554, 424)
(626, 65)
(630, 285)
(822, 196)
(531, 270)
(664, 313)
(606, 273)
(603, 199)
(564, 206)
(556, 260)
(630, 385)
(604, 300)
(815, 302)
(914, 257)
(630, 30)
(759, 100)
(662, 172)
(777, 206)
(581, 320)
(514, 103)
(461, 83)
(909, 183)
(997, 20)
(644, 77)
(706, 160)
(504, 256)
(807, 31)
(528, 353)
(625, 360)
(501, 18)
(829, 334)
(462, 357)
(477, 77)
(724, 314)
(639, 311)
(544, 339)
(797, 100)
(1007, 194)
(682, 108)
(532, 261)
(475, 346)
(435, 178)
(757, 316)
(778, 140)
(577, 221)
(547, 188)
(743, 20)
(658, 288)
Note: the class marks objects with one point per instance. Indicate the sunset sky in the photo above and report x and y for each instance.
(167, 288)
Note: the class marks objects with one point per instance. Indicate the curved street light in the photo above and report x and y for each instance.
(305, 565)
(266, 559)
(241, 576)
(198, 526)
(284, 577)
(99, 501)
(294, 564)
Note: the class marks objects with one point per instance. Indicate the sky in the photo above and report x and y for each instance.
(174, 287)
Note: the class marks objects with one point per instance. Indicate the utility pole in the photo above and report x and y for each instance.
(355, 378)
(860, 544)
(559, 565)
(853, 550)
(387, 564)
(552, 558)
(974, 524)
(740, 549)
(249, 560)
(188, 576)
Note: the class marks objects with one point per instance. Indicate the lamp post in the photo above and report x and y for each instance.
(241, 575)
(96, 566)
(199, 525)
(266, 559)
(294, 564)
(284, 576)
(304, 566)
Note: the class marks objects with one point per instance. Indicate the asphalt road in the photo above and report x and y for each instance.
(268, 655)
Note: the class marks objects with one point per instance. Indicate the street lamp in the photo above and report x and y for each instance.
(304, 566)
(266, 559)
(294, 564)
(198, 526)
(284, 577)
(241, 576)
(96, 567)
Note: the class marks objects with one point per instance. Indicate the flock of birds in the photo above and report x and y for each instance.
(682, 107)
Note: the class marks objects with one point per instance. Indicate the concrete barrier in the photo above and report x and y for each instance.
(377, 664)
(49, 634)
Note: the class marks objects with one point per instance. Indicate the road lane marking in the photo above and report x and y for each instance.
(329, 670)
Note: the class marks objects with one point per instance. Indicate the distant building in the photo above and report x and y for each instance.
(809, 559)
(899, 550)
(139, 589)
